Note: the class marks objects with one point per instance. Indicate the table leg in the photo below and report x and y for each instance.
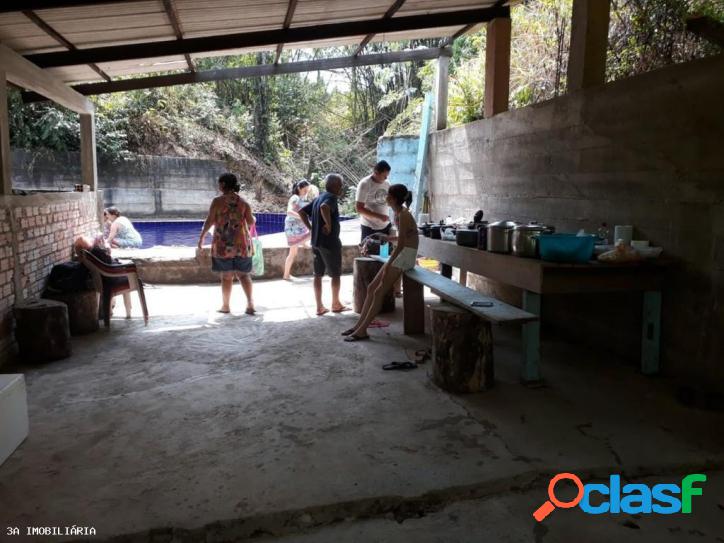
(651, 332)
(531, 339)
(413, 306)
(446, 270)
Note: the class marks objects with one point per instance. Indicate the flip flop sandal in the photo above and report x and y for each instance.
(348, 332)
(250, 311)
(222, 311)
(378, 324)
(402, 366)
(341, 310)
(352, 338)
(323, 312)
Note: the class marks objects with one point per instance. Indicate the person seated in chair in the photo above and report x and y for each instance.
(97, 246)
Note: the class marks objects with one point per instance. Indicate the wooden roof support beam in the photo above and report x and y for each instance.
(57, 36)
(121, 85)
(497, 66)
(6, 171)
(388, 14)
(291, 8)
(589, 40)
(267, 37)
(170, 8)
(27, 75)
(707, 28)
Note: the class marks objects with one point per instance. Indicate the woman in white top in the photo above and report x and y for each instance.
(402, 258)
(121, 233)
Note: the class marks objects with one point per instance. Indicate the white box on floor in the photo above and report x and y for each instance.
(13, 413)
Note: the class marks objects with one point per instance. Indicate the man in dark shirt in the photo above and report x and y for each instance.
(322, 218)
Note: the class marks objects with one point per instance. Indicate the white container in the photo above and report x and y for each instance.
(13, 413)
(623, 233)
(639, 243)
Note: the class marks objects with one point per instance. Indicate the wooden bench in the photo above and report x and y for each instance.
(463, 297)
(415, 280)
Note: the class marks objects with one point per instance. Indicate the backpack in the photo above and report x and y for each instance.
(69, 277)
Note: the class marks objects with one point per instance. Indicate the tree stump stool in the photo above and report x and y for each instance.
(42, 330)
(82, 309)
(462, 350)
(365, 269)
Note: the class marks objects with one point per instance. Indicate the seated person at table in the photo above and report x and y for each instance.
(403, 258)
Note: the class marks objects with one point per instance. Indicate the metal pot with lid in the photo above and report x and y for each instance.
(524, 239)
(499, 236)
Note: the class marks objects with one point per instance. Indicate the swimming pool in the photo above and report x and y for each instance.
(186, 233)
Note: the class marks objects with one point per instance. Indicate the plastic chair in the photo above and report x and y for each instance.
(111, 280)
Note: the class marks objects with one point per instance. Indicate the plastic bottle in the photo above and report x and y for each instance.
(602, 234)
(385, 250)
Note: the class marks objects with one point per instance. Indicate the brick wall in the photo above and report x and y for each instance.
(37, 232)
(645, 151)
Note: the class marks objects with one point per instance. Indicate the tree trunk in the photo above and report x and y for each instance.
(462, 350)
(42, 330)
(365, 270)
(82, 310)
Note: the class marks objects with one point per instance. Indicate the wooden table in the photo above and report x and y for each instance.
(536, 277)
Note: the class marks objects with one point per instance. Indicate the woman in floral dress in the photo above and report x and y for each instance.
(231, 248)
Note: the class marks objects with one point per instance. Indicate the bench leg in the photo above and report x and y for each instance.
(463, 277)
(531, 339)
(651, 333)
(446, 270)
(413, 310)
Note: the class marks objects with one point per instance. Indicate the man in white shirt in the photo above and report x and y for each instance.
(372, 201)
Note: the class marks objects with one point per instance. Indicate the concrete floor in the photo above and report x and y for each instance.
(207, 427)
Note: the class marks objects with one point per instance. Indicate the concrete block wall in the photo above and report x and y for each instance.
(141, 186)
(401, 153)
(37, 232)
(645, 151)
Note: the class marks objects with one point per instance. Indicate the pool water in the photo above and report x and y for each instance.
(186, 233)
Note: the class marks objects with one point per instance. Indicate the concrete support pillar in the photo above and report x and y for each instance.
(497, 66)
(441, 92)
(6, 182)
(589, 40)
(88, 168)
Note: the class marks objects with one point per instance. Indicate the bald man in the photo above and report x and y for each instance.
(322, 218)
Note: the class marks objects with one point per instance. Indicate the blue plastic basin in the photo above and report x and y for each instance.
(566, 247)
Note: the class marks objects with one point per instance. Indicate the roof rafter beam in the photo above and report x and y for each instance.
(388, 15)
(449, 40)
(291, 8)
(446, 42)
(267, 37)
(33, 5)
(170, 8)
(121, 85)
(57, 36)
(27, 75)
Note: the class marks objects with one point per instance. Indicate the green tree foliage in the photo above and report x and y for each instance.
(307, 125)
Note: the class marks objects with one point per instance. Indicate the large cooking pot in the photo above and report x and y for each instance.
(435, 231)
(467, 237)
(499, 236)
(524, 239)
